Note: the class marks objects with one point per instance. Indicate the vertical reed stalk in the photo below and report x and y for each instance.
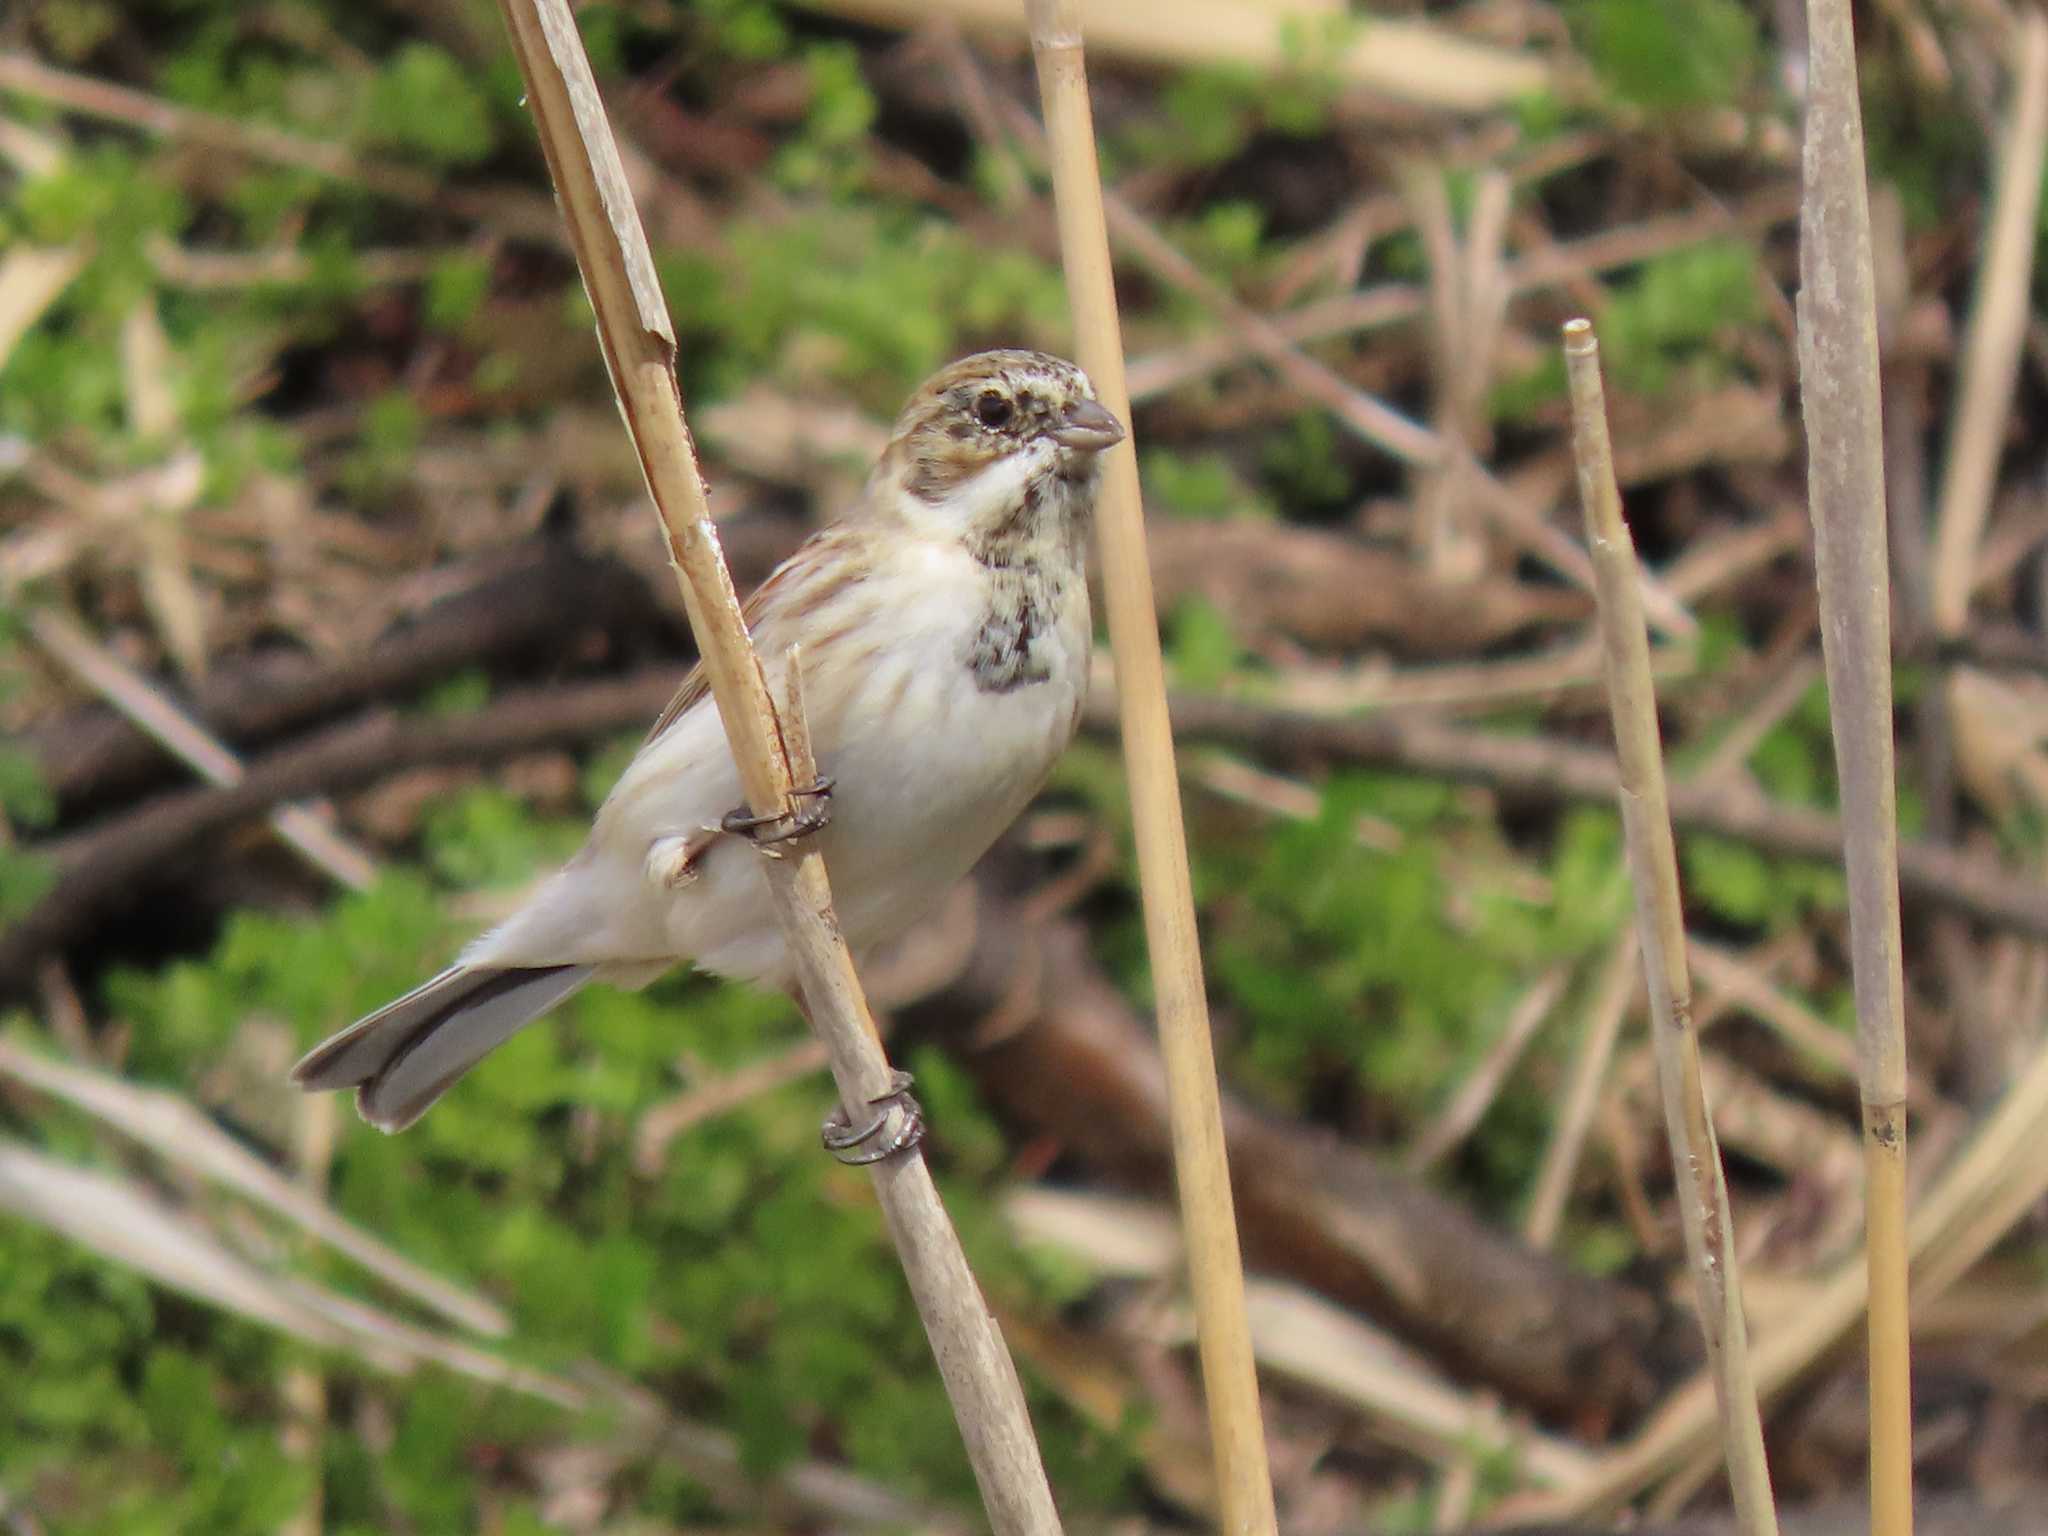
(772, 751)
(1229, 1379)
(1660, 928)
(1839, 394)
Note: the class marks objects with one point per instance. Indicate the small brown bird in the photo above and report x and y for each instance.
(944, 634)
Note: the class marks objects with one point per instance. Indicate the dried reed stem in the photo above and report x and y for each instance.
(189, 1140)
(1839, 394)
(1413, 61)
(1223, 1333)
(1605, 1012)
(1985, 1189)
(1997, 330)
(639, 348)
(146, 707)
(1660, 928)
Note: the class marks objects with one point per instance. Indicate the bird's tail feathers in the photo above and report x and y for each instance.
(404, 1056)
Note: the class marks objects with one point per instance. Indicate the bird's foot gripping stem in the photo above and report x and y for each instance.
(810, 810)
(877, 1139)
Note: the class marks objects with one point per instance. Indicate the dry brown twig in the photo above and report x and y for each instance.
(302, 826)
(1660, 927)
(1387, 304)
(31, 278)
(1468, 1105)
(1605, 1013)
(1371, 420)
(639, 347)
(513, 212)
(1735, 979)
(96, 866)
(1409, 61)
(1989, 754)
(1298, 1334)
(664, 1122)
(1223, 1333)
(125, 1221)
(1760, 1120)
(1991, 355)
(1448, 689)
(1839, 396)
(1974, 1201)
(188, 1139)
(1381, 425)
(1978, 1196)
(1548, 770)
(1468, 306)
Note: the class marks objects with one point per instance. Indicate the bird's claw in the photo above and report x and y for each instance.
(858, 1146)
(809, 811)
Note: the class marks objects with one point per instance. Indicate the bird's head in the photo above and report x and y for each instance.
(996, 448)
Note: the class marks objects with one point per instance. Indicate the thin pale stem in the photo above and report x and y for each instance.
(1998, 329)
(301, 826)
(771, 751)
(1229, 1378)
(1660, 926)
(1371, 420)
(1840, 395)
(1975, 1201)
(1604, 1016)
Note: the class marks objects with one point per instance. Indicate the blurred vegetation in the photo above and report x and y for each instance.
(746, 1281)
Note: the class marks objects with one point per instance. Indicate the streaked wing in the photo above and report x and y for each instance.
(824, 564)
(696, 683)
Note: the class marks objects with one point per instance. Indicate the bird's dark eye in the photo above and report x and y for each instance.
(992, 409)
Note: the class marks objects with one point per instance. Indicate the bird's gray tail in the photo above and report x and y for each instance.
(404, 1056)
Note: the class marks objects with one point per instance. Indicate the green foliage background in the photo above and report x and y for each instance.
(746, 1282)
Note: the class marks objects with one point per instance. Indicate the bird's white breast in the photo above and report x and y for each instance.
(931, 766)
(929, 769)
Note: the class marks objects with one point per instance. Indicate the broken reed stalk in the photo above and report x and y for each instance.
(1839, 396)
(1967, 1208)
(1660, 930)
(1223, 1333)
(639, 349)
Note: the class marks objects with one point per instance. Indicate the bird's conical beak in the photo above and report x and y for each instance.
(1088, 427)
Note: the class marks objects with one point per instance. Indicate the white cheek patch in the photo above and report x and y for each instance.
(991, 493)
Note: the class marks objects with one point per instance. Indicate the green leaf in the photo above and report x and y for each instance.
(456, 290)
(1201, 645)
(463, 693)
(25, 879)
(1729, 879)
(424, 100)
(23, 794)
(487, 837)
(1673, 54)
(1303, 463)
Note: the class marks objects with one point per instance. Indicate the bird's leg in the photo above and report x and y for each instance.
(858, 1146)
(810, 810)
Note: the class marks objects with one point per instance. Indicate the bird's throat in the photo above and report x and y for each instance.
(1010, 648)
